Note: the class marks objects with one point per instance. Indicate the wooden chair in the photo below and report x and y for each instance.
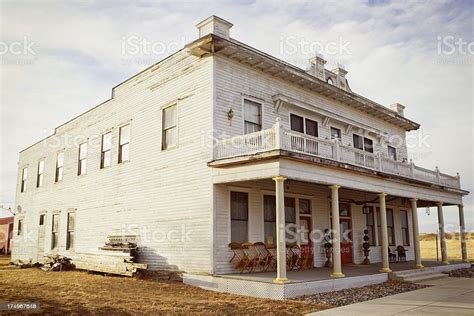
(391, 256)
(273, 262)
(265, 256)
(239, 260)
(253, 256)
(296, 260)
(401, 252)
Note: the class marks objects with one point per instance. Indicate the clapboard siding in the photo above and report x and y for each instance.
(155, 192)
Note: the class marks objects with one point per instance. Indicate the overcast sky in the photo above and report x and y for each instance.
(60, 59)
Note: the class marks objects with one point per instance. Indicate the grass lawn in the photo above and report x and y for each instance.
(81, 292)
(453, 246)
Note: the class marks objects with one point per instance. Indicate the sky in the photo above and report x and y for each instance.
(59, 59)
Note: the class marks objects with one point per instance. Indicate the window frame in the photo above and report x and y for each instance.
(331, 128)
(255, 102)
(231, 219)
(40, 175)
(395, 155)
(164, 129)
(305, 121)
(372, 239)
(122, 145)
(24, 178)
(70, 230)
(363, 141)
(390, 228)
(55, 234)
(80, 168)
(59, 171)
(104, 152)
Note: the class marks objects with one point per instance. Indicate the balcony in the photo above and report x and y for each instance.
(279, 138)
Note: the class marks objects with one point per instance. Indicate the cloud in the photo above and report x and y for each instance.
(392, 56)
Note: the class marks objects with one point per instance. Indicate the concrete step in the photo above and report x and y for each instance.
(427, 277)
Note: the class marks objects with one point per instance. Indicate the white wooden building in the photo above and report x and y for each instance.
(215, 144)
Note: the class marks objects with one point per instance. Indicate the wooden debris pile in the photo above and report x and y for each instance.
(58, 263)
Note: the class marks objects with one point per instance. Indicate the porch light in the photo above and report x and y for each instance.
(365, 209)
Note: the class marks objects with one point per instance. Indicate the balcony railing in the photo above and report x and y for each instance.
(278, 138)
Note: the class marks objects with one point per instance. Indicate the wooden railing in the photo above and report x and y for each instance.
(278, 138)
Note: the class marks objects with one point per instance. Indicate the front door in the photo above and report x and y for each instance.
(346, 240)
(306, 243)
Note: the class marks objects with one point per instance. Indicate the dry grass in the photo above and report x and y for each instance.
(84, 293)
(428, 247)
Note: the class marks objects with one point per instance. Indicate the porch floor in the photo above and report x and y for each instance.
(319, 274)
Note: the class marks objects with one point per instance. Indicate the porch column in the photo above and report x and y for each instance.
(383, 228)
(416, 237)
(280, 230)
(336, 234)
(442, 237)
(462, 233)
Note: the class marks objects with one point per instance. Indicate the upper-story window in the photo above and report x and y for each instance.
(336, 133)
(106, 150)
(82, 163)
(252, 116)
(170, 127)
(392, 152)
(24, 177)
(124, 144)
(59, 167)
(40, 174)
(363, 143)
(303, 125)
(330, 81)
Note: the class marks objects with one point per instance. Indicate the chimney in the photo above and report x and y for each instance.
(317, 66)
(397, 107)
(340, 71)
(214, 25)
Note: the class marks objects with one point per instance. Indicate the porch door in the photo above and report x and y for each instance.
(346, 240)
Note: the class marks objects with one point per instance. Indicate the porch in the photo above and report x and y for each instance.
(305, 282)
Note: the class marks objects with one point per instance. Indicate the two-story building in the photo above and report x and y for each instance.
(223, 143)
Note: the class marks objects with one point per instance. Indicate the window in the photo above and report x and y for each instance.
(20, 227)
(335, 133)
(369, 220)
(40, 175)
(392, 152)
(55, 232)
(363, 143)
(41, 221)
(239, 209)
(329, 80)
(71, 223)
(82, 165)
(170, 129)
(311, 127)
(269, 216)
(59, 167)
(404, 225)
(106, 150)
(368, 145)
(124, 144)
(24, 177)
(305, 206)
(269, 219)
(390, 230)
(344, 210)
(296, 123)
(252, 116)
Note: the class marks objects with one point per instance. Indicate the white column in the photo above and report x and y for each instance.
(383, 228)
(462, 233)
(416, 236)
(336, 234)
(442, 237)
(280, 230)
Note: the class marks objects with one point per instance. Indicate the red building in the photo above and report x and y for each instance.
(6, 234)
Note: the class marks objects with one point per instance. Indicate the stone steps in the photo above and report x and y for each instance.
(425, 277)
(423, 274)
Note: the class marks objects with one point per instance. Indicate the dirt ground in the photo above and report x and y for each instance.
(84, 293)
